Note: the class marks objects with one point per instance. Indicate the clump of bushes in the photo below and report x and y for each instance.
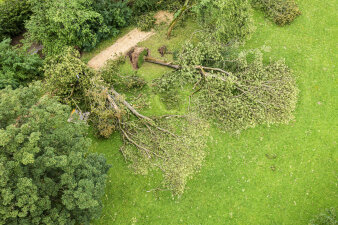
(228, 20)
(17, 67)
(139, 7)
(13, 14)
(281, 11)
(328, 217)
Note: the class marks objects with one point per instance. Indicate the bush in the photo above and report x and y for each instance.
(140, 7)
(229, 20)
(115, 15)
(17, 66)
(13, 14)
(325, 218)
(281, 11)
(146, 22)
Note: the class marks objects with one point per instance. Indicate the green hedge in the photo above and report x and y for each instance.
(281, 11)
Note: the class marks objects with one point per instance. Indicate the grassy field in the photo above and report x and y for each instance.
(238, 184)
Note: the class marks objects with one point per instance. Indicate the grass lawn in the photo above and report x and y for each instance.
(238, 184)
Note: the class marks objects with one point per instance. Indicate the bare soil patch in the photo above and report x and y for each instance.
(164, 17)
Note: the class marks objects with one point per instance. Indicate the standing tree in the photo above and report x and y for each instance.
(47, 175)
(77, 23)
(60, 23)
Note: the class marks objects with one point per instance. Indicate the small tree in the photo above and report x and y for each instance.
(47, 175)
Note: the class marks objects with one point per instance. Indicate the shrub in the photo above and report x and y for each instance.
(229, 20)
(328, 217)
(13, 14)
(146, 22)
(17, 66)
(281, 11)
(140, 7)
(116, 14)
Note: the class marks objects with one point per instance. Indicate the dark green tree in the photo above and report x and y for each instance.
(47, 175)
(17, 66)
(13, 14)
(59, 23)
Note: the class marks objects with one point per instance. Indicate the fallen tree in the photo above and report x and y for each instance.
(235, 89)
(173, 144)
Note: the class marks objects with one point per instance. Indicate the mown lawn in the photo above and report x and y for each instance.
(238, 184)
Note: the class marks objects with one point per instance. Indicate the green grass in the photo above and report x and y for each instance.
(236, 184)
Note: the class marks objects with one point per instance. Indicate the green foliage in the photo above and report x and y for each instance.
(228, 20)
(281, 11)
(116, 14)
(146, 22)
(325, 218)
(102, 118)
(13, 14)
(47, 174)
(59, 23)
(17, 66)
(112, 75)
(140, 7)
(177, 155)
(67, 76)
(248, 92)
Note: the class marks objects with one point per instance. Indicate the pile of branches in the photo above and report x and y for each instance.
(173, 144)
(236, 89)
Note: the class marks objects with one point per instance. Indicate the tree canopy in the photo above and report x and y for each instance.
(78, 23)
(47, 174)
(17, 67)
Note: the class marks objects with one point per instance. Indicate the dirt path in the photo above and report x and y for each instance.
(128, 41)
(120, 47)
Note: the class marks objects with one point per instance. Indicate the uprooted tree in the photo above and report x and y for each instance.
(174, 143)
(236, 89)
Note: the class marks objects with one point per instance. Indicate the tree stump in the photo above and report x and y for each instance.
(136, 56)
